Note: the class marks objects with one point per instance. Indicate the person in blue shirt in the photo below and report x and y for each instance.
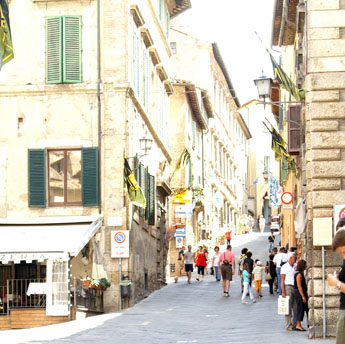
(246, 276)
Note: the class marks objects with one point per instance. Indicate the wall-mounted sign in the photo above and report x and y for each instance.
(338, 213)
(286, 197)
(322, 231)
(179, 242)
(115, 221)
(119, 244)
(182, 196)
(180, 232)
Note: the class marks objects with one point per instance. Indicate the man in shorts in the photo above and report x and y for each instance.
(227, 266)
(180, 260)
(188, 259)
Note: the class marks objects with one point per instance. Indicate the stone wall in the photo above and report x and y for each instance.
(325, 123)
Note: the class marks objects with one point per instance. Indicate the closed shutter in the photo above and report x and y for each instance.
(190, 174)
(152, 201)
(137, 67)
(145, 79)
(167, 23)
(134, 58)
(37, 178)
(90, 176)
(194, 132)
(54, 50)
(294, 128)
(142, 184)
(72, 49)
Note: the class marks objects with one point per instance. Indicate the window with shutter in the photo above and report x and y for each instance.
(167, 23)
(145, 78)
(90, 176)
(147, 193)
(72, 49)
(54, 50)
(37, 178)
(142, 184)
(135, 60)
(294, 129)
(152, 201)
(63, 50)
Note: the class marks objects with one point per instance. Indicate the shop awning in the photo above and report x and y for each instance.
(28, 242)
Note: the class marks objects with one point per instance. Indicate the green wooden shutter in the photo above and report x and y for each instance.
(90, 176)
(194, 132)
(37, 178)
(190, 174)
(147, 193)
(167, 23)
(134, 56)
(160, 10)
(142, 184)
(72, 49)
(145, 79)
(152, 200)
(54, 50)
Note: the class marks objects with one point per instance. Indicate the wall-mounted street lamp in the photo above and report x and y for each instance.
(264, 86)
(145, 144)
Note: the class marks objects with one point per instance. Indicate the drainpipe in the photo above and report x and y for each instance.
(99, 104)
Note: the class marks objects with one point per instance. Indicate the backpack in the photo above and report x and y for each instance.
(241, 263)
(225, 261)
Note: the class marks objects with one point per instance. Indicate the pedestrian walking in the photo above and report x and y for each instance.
(301, 294)
(262, 223)
(241, 259)
(200, 263)
(227, 267)
(258, 273)
(250, 263)
(206, 257)
(279, 260)
(271, 269)
(180, 260)
(338, 281)
(288, 289)
(247, 277)
(270, 241)
(188, 258)
(215, 261)
(228, 237)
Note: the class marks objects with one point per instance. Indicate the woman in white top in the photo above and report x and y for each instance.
(215, 262)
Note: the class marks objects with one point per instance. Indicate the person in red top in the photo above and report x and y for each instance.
(228, 237)
(227, 266)
(200, 262)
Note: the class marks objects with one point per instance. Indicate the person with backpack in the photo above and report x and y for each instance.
(227, 267)
(250, 263)
(200, 263)
(271, 269)
(241, 259)
(247, 277)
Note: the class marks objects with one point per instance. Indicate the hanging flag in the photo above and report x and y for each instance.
(275, 191)
(282, 78)
(184, 160)
(135, 193)
(6, 48)
(255, 181)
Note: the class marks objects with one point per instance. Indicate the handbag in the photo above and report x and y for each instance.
(212, 271)
(225, 261)
(268, 277)
(283, 305)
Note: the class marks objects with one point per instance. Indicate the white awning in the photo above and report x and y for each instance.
(40, 242)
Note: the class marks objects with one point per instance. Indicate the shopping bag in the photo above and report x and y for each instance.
(283, 305)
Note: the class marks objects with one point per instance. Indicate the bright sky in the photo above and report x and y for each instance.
(231, 24)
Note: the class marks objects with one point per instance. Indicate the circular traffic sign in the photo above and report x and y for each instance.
(120, 237)
(286, 198)
(341, 213)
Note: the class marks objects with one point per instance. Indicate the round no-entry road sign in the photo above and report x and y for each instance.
(119, 237)
(287, 198)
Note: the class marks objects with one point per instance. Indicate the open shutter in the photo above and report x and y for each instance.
(90, 176)
(294, 129)
(152, 213)
(37, 178)
(54, 50)
(72, 49)
(142, 184)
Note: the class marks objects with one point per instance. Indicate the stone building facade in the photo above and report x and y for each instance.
(221, 168)
(78, 96)
(312, 36)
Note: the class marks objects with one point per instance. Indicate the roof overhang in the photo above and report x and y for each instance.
(40, 241)
(221, 64)
(284, 22)
(207, 104)
(179, 7)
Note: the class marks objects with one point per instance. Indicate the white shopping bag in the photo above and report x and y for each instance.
(283, 305)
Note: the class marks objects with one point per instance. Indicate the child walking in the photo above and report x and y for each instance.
(246, 284)
(258, 273)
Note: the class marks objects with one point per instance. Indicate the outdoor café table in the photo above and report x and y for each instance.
(39, 289)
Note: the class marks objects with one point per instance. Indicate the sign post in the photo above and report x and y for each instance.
(322, 236)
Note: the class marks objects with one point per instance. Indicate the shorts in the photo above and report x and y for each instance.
(257, 284)
(226, 270)
(188, 267)
(201, 270)
(180, 264)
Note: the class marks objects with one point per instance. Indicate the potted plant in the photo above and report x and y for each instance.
(101, 284)
(87, 281)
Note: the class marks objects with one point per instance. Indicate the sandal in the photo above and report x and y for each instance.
(244, 302)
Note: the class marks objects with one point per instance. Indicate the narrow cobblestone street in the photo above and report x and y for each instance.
(181, 313)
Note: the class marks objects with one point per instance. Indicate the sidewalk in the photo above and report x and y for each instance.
(181, 313)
